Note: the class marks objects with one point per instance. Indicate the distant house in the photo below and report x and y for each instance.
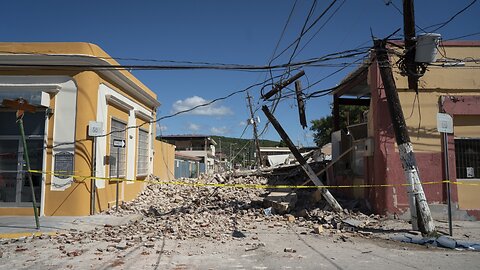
(186, 166)
(68, 92)
(450, 85)
(201, 146)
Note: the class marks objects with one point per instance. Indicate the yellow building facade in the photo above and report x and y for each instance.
(78, 90)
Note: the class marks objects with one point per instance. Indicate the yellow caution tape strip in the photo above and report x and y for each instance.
(257, 186)
(25, 234)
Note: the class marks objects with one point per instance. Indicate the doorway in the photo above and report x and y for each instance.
(14, 185)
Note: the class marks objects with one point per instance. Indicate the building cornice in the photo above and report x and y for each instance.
(80, 63)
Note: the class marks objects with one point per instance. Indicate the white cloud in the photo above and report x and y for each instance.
(219, 130)
(242, 123)
(193, 127)
(210, 110)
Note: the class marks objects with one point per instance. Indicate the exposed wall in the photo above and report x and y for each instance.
(164, 160)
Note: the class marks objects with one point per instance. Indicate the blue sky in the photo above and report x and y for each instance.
(239, 32)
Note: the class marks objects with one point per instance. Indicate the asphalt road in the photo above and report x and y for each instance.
(261, 248)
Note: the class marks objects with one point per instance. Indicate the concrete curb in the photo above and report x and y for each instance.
(18, 227)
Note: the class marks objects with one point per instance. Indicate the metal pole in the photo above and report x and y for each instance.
(255, 133)
(118, 177)
(93, 188)
(447, 177)
(29, 174)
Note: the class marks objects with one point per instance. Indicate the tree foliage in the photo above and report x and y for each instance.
(322, 128)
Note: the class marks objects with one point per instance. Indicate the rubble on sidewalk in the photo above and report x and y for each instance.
(216, 213)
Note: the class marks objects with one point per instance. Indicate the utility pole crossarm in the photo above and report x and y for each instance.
(279, 86)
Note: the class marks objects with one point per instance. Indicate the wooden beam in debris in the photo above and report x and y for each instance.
(308, 170)
(279, 86)
(332, 163)
(301, 104)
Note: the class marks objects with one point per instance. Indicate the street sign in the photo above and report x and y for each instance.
(444, 123)
(95, 128)
(119, 143)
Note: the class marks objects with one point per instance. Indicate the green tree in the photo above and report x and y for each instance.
(322, 128)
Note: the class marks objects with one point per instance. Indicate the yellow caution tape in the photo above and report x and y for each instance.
(257, 186)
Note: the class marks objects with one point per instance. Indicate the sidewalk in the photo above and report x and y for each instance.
(20, 226)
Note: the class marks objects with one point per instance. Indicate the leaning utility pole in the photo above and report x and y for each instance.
(255, 134)
(301, 160)
(417, 200)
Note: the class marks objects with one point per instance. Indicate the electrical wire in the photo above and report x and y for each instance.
(464, 36)
(302, 32)
(165, 117)
(443, 24)
(401, 13)
(321, 27)
(325, 58)
(279, 40)
(306, 30)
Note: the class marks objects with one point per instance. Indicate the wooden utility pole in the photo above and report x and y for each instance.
(410, 42)
(417, 200)
(255, 134)
(303, 163)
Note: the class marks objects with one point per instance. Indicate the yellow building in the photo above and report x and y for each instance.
(74, 87)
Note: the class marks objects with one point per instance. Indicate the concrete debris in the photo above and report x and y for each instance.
(290, 218)
(318, 229)
(74, 253)
(219, 214)
(281, 202)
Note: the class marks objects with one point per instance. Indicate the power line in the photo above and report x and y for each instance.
(321, 27)
(278, 43)
(283, 32)
(235, 67)
(464, 36)
(123, 58)
(308, 29)
(167, 116)
(443, 24)
(401, 13)
(302, 31)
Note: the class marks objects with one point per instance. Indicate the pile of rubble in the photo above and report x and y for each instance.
(188, 211)
(222, 213)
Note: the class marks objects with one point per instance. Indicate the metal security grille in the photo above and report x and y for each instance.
(142, 150)
(467, 158)
(117, 125)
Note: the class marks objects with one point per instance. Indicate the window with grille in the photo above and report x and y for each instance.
(142, 150)
(467, 158)
(117, 154)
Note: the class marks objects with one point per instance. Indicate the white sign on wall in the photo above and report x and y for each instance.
(95, 128)
(444, 123)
